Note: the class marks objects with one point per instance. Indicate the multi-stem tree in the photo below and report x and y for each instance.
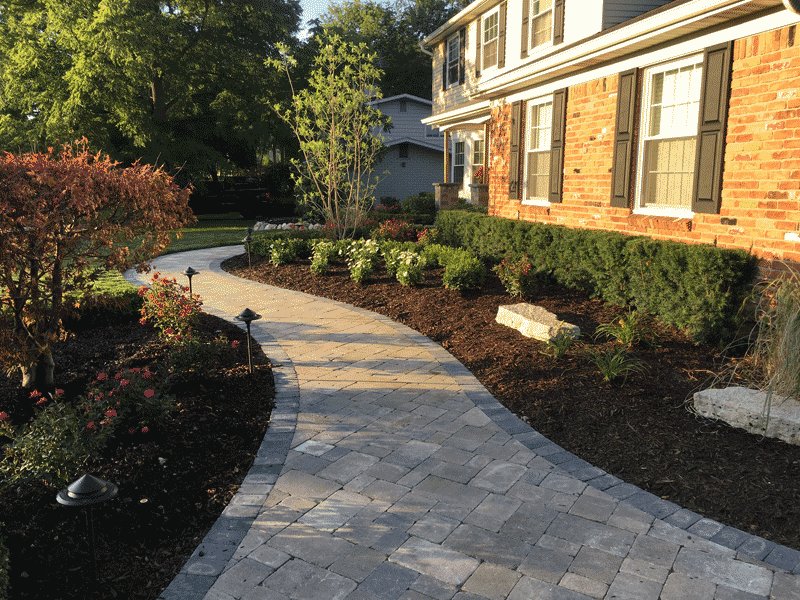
(339, 131)
(65, 215)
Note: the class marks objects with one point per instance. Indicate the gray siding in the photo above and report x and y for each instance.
(619, 11)
(409, 176)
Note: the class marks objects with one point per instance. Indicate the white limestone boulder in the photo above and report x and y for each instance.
(534, 321)
(746, 408)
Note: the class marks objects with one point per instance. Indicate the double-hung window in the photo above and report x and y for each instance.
(539, 120)
(458, 162)
(541, 22)
(668, 135)
(491, 34)
(453, 59)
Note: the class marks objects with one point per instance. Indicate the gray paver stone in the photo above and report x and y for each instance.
(310, 544)
(716, 569)
(730, 537)
(756, 547)
(187, 587)
(680, 587)
(388, 582)
(595, 535)
(242, 577)
(498, 476)
(627, 586)
(432, 559)
(545, 564)
(434, 588)
(491, 581)
(348, 467)
(706, 528)
(652, 504)
(784, 558)
(654, 551)
(683, 518)
(785, 587)
(528, 588)
(584, 585)
(593, 508)
(596, 564)
(301, 581)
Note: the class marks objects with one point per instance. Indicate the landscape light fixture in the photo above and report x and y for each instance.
(247, 240)
(85, 492)
(190, 272)
(248, 316)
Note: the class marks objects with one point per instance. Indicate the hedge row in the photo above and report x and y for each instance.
(699, 288)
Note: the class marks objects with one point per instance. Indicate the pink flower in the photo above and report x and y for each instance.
(90, 425)
(147, 374)
(145, 429)
(59, 392)
(111, 413)
(101, 376)
(123, 382)
(149, 393)
(3, 416)
(234, 344)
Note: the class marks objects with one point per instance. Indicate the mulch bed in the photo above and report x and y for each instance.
(641, 431)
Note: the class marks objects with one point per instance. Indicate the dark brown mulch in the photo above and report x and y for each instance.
(641, 431)
(174, 481)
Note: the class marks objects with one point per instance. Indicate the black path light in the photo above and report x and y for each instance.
(248, 316)
(247, 241)
(85, 492)
(190, 272)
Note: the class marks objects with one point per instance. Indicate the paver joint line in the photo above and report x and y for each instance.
(406, 478)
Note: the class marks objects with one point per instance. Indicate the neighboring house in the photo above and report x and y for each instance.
(413, 160)
(673, 119)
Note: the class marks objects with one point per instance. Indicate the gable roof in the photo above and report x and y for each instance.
(403, 97)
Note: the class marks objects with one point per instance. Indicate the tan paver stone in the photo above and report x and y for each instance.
(432, 559)
(584, 585)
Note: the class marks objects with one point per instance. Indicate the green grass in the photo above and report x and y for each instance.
(210, 231)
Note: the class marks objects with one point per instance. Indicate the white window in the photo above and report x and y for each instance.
(453, 59)
(477, 153)
(458, 162)
(541, 23)
(491, 32)
(668, 139)
(538, 137)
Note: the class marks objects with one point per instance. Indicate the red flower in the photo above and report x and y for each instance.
(59, 392)
(3, 416)
(149, 393)
(35, 394)
(101, 376)
(145, 429)
(42, 401)
(90, 425)
(169, 331)
(118, 376)
(147, 374)
(123, 382)
(111, 413)
(234, 344)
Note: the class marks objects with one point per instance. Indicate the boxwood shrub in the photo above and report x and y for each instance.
(695, 287)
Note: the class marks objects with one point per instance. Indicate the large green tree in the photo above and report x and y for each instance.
(178, 83)
(393, 33)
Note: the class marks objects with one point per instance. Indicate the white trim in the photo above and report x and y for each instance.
(529, 106)
(481, 33)
(457, 37)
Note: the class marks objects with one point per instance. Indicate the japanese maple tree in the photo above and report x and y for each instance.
(66, 215)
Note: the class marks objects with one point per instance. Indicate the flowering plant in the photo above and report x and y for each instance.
(167, 305)
(409, 268)
(284, 251)
(362, 258)
(516, 275)
(324, 250)
(130, 401)
(477, 176)
(395, 229)
(427, 236)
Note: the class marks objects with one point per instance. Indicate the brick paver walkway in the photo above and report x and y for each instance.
(389, 472)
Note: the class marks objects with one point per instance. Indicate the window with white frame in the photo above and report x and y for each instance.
(453, 59)
(478, 158)
(541, 23)
(668, 138)
(458, 162)
(491, 33)
(538, 136)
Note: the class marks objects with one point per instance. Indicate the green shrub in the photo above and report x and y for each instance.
(51, 447)
(398, 230)
(463, 272)
(695, 287)
(437, 255)
(284, 251)
(409, 268)
(516, 276)
(166, 304)
(424, 203)
(262, 240)
(324, 252)
(96, 310)
(391, 250)
(362, 259)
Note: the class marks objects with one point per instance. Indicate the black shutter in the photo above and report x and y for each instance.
(478, 40)
(444, 66)
(462, 45)
(623, 140)
(558, 129)
(501, 37)
(526, 10)
(711, 128)
(513, 163)
(558, 22)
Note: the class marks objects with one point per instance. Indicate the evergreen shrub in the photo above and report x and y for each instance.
(695, 287)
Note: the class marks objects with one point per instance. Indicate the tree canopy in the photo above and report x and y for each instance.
(178, 82)
(393, 33)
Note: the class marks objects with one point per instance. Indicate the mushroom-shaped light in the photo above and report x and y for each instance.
(248, 316)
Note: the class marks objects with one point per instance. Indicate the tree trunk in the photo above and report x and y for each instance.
(40, 375)
(159, 104)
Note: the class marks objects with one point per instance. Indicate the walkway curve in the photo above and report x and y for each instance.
(389, 472)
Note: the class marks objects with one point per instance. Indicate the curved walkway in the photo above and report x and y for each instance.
(389, 472)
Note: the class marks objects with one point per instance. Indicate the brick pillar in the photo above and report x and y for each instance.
(479, 194)
(446, 195)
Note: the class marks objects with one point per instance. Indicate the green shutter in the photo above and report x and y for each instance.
(513, 163)
(623, 140)
(501, 37)
(526, 10)
(711, 128)
(558, 22)
(558, 129)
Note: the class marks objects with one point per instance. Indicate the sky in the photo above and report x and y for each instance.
(311, 10)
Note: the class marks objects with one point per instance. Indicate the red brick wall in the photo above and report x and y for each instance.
(761, 180)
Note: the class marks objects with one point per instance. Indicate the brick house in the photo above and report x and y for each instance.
(672, 119)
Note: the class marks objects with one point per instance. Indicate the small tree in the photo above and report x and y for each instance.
(64, 217)
(339, 131)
